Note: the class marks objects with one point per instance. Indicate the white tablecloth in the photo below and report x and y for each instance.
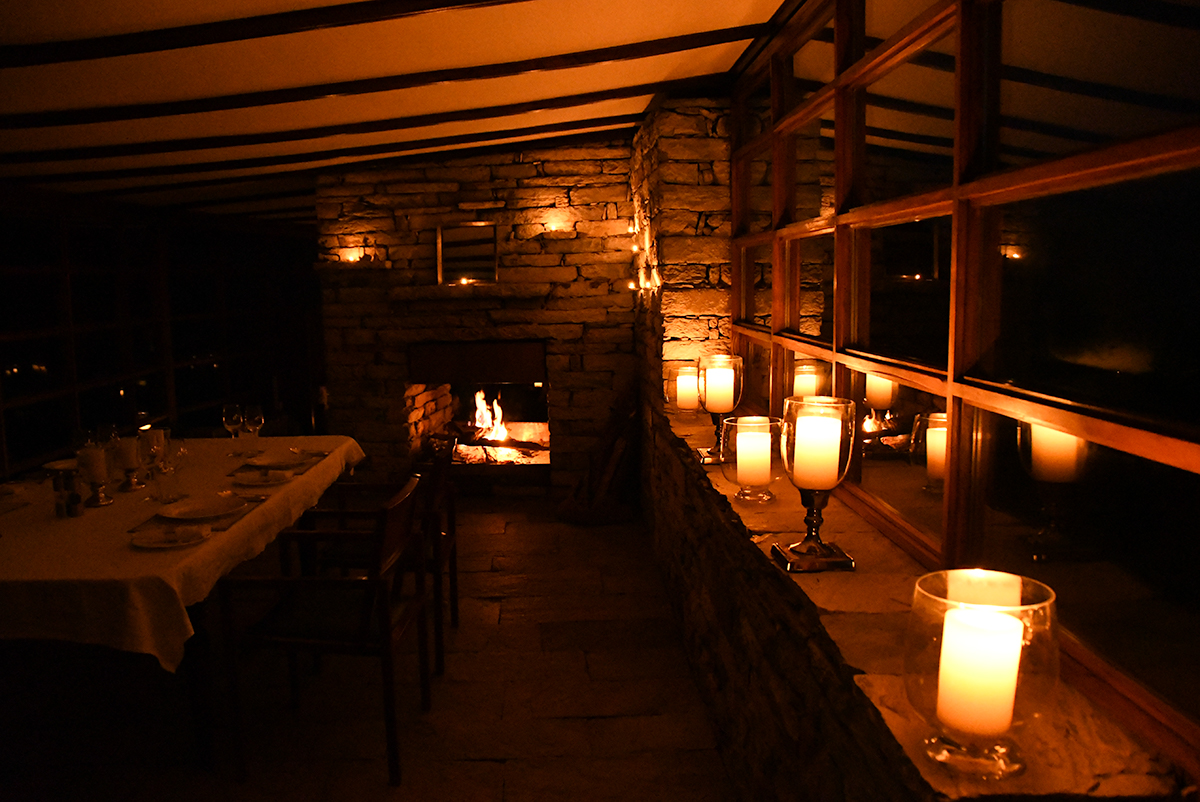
(79, 579)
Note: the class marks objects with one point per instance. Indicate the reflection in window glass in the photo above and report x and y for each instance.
(910, 126)
(1099, 297)
(1121, 77)
(1125, 582)
(903, 442)
(814, 169)
(812, 68)
(810, 287)
(756, 381)
(760, 201)
(756, 277)
(809, 376)
(910, 291)
(885, 17)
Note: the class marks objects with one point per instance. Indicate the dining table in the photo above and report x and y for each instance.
(123, 575)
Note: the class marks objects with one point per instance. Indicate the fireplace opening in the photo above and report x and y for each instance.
(501, 423)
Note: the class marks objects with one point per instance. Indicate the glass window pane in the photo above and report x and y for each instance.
(814, 169)
(810, 287)
(1121, 77)
(812, 68)
(759, 212)
(910, 126)
(756, 278)
(1125, 582)
(756, 380)
(903, 442)
(1099, 294)
(885, 17)
(910, 292)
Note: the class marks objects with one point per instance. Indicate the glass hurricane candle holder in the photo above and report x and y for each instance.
(93, 469)
(719, 391)
(131, 464)
(928, 447)
(809, 377)
(683, 388)
(750, 455)
(980, 664)
(816, 443)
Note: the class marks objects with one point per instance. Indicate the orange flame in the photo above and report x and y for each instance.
(492, 425)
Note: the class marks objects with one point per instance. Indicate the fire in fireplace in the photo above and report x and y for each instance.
(496, 428)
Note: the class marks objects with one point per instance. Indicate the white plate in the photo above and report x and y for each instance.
(259, 480)
(62, 465)
(278, 460)
(184, 536)
(190, 509)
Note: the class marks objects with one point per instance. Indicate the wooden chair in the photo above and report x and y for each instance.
(364, 614)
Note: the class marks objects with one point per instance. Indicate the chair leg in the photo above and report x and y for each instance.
(389, 713)
(453, 570)
(439, 615)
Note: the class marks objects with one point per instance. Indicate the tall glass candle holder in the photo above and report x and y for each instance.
(980, 663)
(720, 391)
(750, 455)
(816, 444)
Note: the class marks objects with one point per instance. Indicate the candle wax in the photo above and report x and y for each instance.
(687, 391)
(935, 453)
(977, 677)
(753, 458)
(718, 393)
(818, 452)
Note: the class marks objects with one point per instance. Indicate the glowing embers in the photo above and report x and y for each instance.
(492, 440)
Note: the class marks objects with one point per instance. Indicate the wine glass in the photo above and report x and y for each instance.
(231, 419)
(252, 421)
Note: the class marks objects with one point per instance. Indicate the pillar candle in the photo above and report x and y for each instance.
(977, 676)
(805, 384)
(935, 453)
(127, 452)
(93, 464)
(718, 392)
(753, 444)
(881, 392)
(1057, 456)
(687, 390)
(980, 586)
(818, 452)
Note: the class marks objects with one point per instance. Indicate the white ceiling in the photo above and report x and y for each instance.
(123, 96)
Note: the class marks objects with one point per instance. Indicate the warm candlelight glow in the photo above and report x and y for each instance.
(818, 452)
(935, 453)
(881, 392)
(719, 390)
(980, 586)
(754, 451)
(806, 381)
(977, 678)
(687, 388)
(1056, 456)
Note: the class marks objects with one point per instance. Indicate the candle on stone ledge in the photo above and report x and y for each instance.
(935, 453)
(881, 392)
(687, 388)
(754, 451)
(719, 390)
(977, 675)
(818, 452)
(1056, 456)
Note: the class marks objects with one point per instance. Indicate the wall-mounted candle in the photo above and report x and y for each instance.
(981, 586)
(753, 444)
(806, 381)
(881, 392)
(818, 452)
(719, 389)
(935, 452)
(977, 675)
(1056, 456)
(687, 388)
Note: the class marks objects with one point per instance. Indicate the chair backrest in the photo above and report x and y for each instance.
(396, 523)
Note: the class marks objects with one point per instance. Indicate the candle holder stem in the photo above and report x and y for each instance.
(812, 555)
(712, 455)
(995, 759)
(98, 498)
(132, 481)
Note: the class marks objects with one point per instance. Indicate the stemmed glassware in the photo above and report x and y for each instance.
(252, 421)
(750, 455)
(231, 419)
(720, 391)
(818, 437)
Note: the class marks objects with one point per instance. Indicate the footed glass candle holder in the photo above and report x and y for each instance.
(1057, 461)
(928, 446)
(980, 663)
(750, 456)
(720, 391)
(683, 388)
(816, 444)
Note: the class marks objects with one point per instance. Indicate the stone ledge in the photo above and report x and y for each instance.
(1078, 751)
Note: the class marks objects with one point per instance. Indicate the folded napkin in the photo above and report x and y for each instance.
(189, 532)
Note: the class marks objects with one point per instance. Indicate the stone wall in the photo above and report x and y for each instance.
(563, 217)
